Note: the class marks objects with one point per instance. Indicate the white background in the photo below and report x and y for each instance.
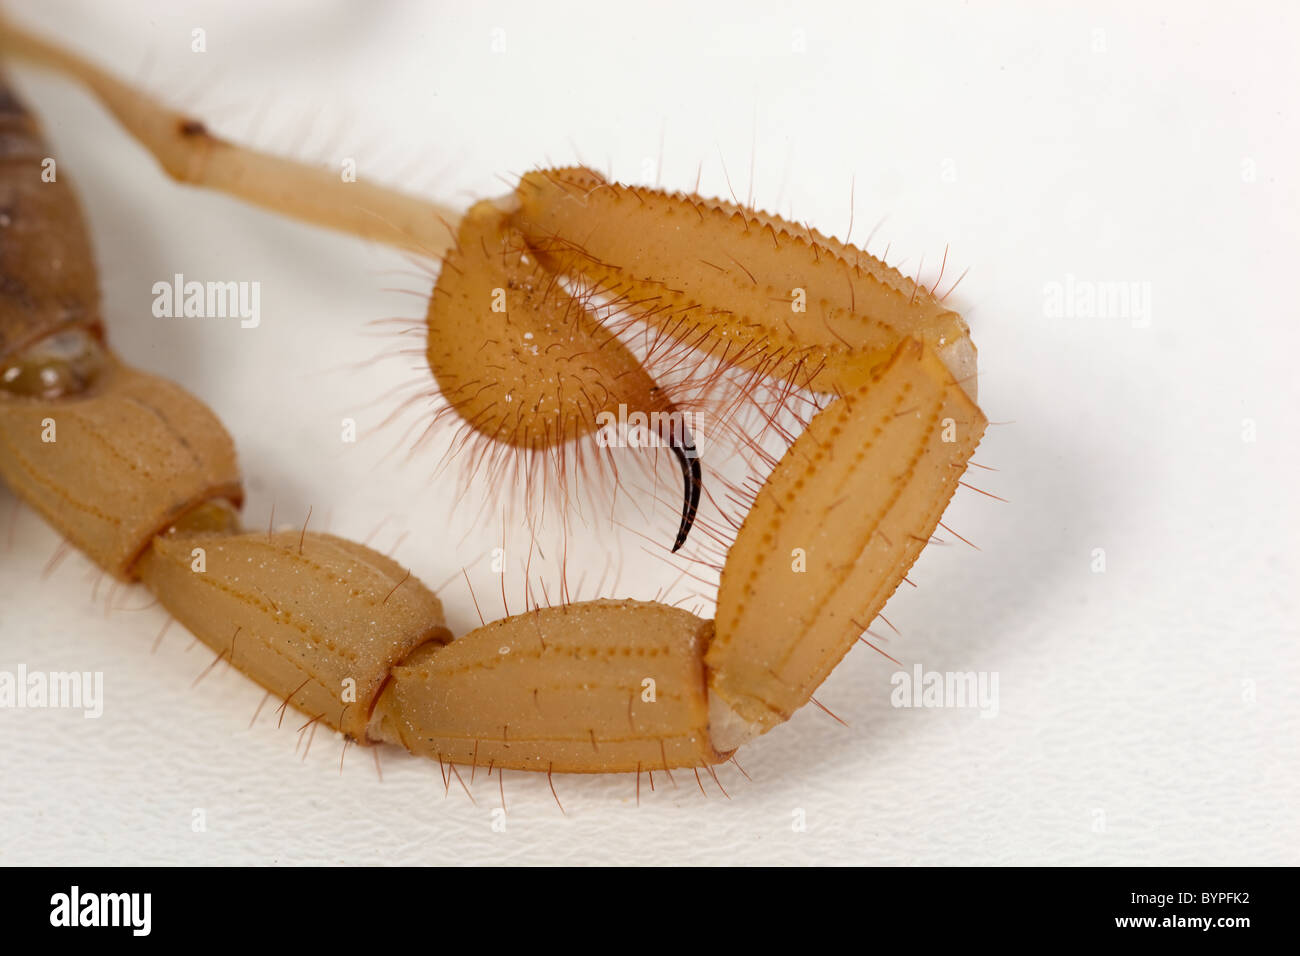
(1148, 714)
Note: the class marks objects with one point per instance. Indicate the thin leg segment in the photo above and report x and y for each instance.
(190, 154)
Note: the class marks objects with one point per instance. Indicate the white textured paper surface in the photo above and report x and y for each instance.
(1147, 714)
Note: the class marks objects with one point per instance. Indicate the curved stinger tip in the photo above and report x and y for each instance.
(692, 482)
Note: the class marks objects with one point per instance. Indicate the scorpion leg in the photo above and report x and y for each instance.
(189, 153)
